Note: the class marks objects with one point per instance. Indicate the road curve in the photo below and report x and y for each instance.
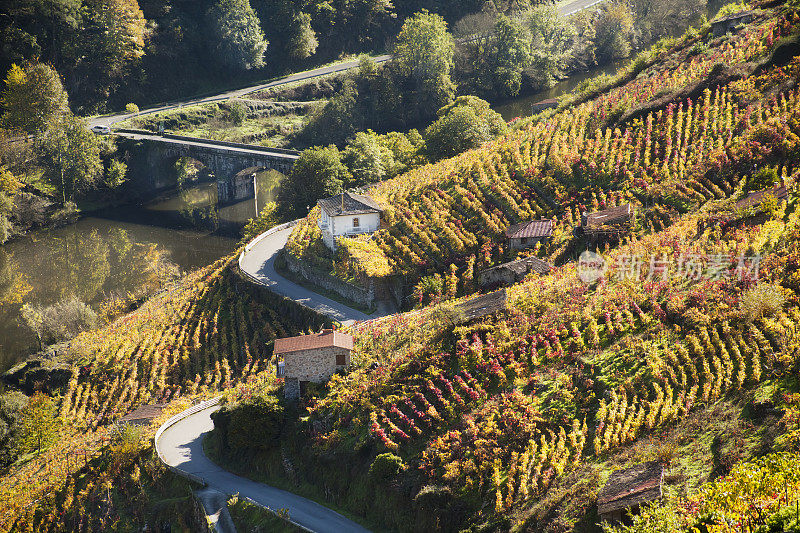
(259, 263)
(181, 446)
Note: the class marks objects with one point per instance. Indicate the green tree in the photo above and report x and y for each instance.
(423, 60)
(12, 405)
(239, 41)
(70, 154)
(116, 174)
(511, 54)
(465, 124)
(367, 159)
(318, 173)
(613, 32)
(551, 44)
(303, 41)
(38, 425)
(119, 27)
(266, 219)
(9, 185)
(337, 120)
(33, 97)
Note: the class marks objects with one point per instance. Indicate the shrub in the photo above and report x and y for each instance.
(59, 322)
(761, 301)
(763, 178)
(237, 112)
(385, 466)
(131, 108)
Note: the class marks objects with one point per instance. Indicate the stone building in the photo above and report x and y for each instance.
(612, 222)
(725, 24)
(527, 234)
(627, 489)
(348, 214)
(511, 272)
(312, 358)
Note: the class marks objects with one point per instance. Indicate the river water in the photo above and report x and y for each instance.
(114, 252)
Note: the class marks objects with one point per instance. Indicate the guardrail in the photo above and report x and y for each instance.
(171, 422)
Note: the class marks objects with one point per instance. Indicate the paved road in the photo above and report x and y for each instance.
(181, 446)
(108, 120)
(259, 262)
(210, 145)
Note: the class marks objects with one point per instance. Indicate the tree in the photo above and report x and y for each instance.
(303, 41)
(120, 27)
(465, 124)
(423, 58)
(613, 32)
(318, 173)
(38, 425)
(551, 44)
(367, 159)
(12, 405)
(337, 120)
(239, 41)
(70, 154)
(9, 185)
(59, 322)
(33, 97)
(511, 54)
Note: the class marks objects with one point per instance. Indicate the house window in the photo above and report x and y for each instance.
(356, 222)
(340, 359)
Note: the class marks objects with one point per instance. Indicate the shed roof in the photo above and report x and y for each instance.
(631, 486)
(349, 203)
(327, 338)
(755, 198)
(600, 220)
(531, 229)
(144, 413)
(734, 16)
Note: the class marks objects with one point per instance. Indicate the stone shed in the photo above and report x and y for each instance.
(527, 234)
(312, 358)
(512, 272)
(143, 415)
(627, 489)
(725, 24)
(611, 222)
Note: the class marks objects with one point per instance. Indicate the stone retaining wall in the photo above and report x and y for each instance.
(361, 295)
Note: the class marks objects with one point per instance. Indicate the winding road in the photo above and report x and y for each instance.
(258, 262)
(181, 446)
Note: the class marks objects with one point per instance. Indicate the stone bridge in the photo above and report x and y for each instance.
(225, 160)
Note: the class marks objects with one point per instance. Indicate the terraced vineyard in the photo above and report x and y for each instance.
(603, 153)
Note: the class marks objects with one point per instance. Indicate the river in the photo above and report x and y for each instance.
(115, 252)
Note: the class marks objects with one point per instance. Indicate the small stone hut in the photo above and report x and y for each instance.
(143, 415)
(725, 24)
(627, 489)
(512, 272)
(754, 199)
(611, 222)
(312, 358)
(527, 234)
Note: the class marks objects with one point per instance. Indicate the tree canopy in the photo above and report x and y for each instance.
(33, 97)
(465, 124)
(318, 173)
(239, 41)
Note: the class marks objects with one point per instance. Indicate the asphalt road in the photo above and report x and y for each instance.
(108, 120)
(181, 446)
(259, 262)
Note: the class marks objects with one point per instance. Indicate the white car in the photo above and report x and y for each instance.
(101, 129)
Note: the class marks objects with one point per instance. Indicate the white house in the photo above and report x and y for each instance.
(346, 215)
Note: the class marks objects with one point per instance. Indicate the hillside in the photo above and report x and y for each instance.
(203, 334)
(515, 422)
(656, 137)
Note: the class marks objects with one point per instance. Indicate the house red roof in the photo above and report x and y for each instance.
(533, 228)
(326, 338)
